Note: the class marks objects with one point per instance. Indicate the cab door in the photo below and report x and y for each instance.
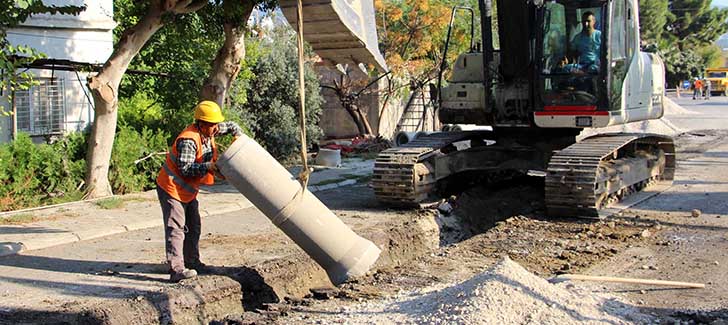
(618, 62)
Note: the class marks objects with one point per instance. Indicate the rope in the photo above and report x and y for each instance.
(291, 206)
(303, 175)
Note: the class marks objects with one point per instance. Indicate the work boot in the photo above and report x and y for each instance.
(198, 266)
(184, 274)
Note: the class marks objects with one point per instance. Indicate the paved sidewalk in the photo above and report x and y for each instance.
(84, 220)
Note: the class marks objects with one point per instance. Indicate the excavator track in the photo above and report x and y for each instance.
(402, 175)
(584, 179)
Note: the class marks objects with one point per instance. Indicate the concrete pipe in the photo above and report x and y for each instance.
(423, 133)
(299, 214)
(403, 137)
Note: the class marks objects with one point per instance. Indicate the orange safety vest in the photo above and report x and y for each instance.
(171, 180)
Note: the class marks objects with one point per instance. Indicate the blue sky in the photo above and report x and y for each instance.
(721, 3)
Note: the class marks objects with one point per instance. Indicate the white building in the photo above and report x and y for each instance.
(61, 103)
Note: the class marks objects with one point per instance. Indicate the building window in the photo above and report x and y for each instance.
(41, 109)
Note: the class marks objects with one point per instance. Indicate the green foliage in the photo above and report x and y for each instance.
(653, 17)
(40, 174)
(33, 174)
(683, 32)
(271, 110)
(12, 13)
(17, 219)
(12, 58)
(110, 203)
(139, 111)
(136, 159)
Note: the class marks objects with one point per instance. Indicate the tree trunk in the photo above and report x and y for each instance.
(105, 85)
(364, 121)
(350, 108)
(226, 65)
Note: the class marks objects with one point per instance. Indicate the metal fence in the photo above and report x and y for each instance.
(41, 109)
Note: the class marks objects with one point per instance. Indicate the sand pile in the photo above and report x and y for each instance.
(661, 126)
(504, 294)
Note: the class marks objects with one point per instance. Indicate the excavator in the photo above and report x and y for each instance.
(562, 66)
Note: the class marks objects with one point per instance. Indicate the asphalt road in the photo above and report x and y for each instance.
(709, 114)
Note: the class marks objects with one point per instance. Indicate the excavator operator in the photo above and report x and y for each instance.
(587, 44)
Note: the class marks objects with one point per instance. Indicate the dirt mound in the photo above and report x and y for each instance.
(672, 108)
(504, 294)
(508, 294)
(659, 126)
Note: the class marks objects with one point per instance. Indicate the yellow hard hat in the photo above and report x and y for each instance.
(208, 111)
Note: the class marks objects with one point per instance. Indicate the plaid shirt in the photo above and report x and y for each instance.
(187, 150)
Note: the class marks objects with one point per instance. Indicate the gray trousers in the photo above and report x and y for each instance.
(181, 231)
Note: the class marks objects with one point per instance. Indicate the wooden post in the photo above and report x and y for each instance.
(15, 115)
(628, 280)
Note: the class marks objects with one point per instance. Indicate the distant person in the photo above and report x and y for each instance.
(190, 163)
(707, 88)
(697, 88)
(588, 43)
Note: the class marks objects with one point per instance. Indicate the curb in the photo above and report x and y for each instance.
(316, 188)
(13, 248)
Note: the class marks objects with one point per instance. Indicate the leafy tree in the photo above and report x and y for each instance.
(413, 32)
(683, 31)
(271, 109)
(229, 17)
(105, 85)
(653, 17)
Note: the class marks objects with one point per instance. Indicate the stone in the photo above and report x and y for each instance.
(645, 233)
(716, 263)
(643, 291)
(696, 213)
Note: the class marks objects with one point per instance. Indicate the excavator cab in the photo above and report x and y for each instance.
(573, 53)
(590, 72)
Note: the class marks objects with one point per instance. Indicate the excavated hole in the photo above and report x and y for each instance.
(476, 209)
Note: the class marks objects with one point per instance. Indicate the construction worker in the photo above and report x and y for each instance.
(190, 163)
(697, 88)
(707, 88)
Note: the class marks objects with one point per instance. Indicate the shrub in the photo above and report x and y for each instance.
(40, 174)
(271, 109)
(136, 159)
(32, 174)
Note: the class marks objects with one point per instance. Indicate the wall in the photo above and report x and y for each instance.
(86, 38)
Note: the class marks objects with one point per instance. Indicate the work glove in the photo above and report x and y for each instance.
(216, 172)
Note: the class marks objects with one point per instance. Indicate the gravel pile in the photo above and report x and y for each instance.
(504, 294)
(659, 126)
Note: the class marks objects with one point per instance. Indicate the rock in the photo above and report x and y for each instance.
(652, 267)
(645, 267)
(643, 291)
(716, 263)
(696, 213)
(611, 224)
(445, 208)
(645, 233)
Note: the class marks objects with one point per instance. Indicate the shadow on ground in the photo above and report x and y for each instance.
(154, 300)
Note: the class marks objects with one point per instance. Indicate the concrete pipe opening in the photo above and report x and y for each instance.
(299, 214)
(403, 137)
